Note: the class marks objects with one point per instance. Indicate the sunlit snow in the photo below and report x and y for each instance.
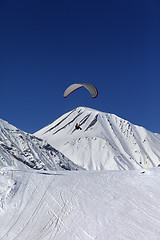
(41, 200)
(105, 141)
(80, 205)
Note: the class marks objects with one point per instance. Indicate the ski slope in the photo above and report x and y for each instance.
(62, 205)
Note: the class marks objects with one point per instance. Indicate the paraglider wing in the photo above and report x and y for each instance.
(93, 91)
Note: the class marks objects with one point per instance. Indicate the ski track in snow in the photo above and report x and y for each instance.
(97, 205)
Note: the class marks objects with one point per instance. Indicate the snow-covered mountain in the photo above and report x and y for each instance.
(23, 149)
(105, 141)
(66, 205)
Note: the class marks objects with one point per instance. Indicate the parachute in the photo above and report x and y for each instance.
(93, 91)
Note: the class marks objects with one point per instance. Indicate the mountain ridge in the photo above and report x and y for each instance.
(117, 143)
(26, 150)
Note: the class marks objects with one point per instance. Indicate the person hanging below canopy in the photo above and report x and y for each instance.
(78, 127)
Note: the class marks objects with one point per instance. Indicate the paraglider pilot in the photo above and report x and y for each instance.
(77, 127)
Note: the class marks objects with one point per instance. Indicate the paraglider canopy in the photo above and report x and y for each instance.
(93, 91)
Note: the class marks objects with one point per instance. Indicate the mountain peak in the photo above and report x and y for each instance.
(103, 140)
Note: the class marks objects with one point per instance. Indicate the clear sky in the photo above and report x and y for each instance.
(47, 45)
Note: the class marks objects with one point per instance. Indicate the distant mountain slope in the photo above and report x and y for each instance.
(105, 141)
(28, 150)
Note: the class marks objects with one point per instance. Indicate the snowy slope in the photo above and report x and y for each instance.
(27, 150)
(105, 141)
(114, 205)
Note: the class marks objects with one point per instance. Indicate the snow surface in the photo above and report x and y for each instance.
(105, 141)
(61, 205)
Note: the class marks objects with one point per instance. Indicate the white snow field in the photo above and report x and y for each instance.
(80, 205)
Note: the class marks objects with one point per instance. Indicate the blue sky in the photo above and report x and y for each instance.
(47, 45)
